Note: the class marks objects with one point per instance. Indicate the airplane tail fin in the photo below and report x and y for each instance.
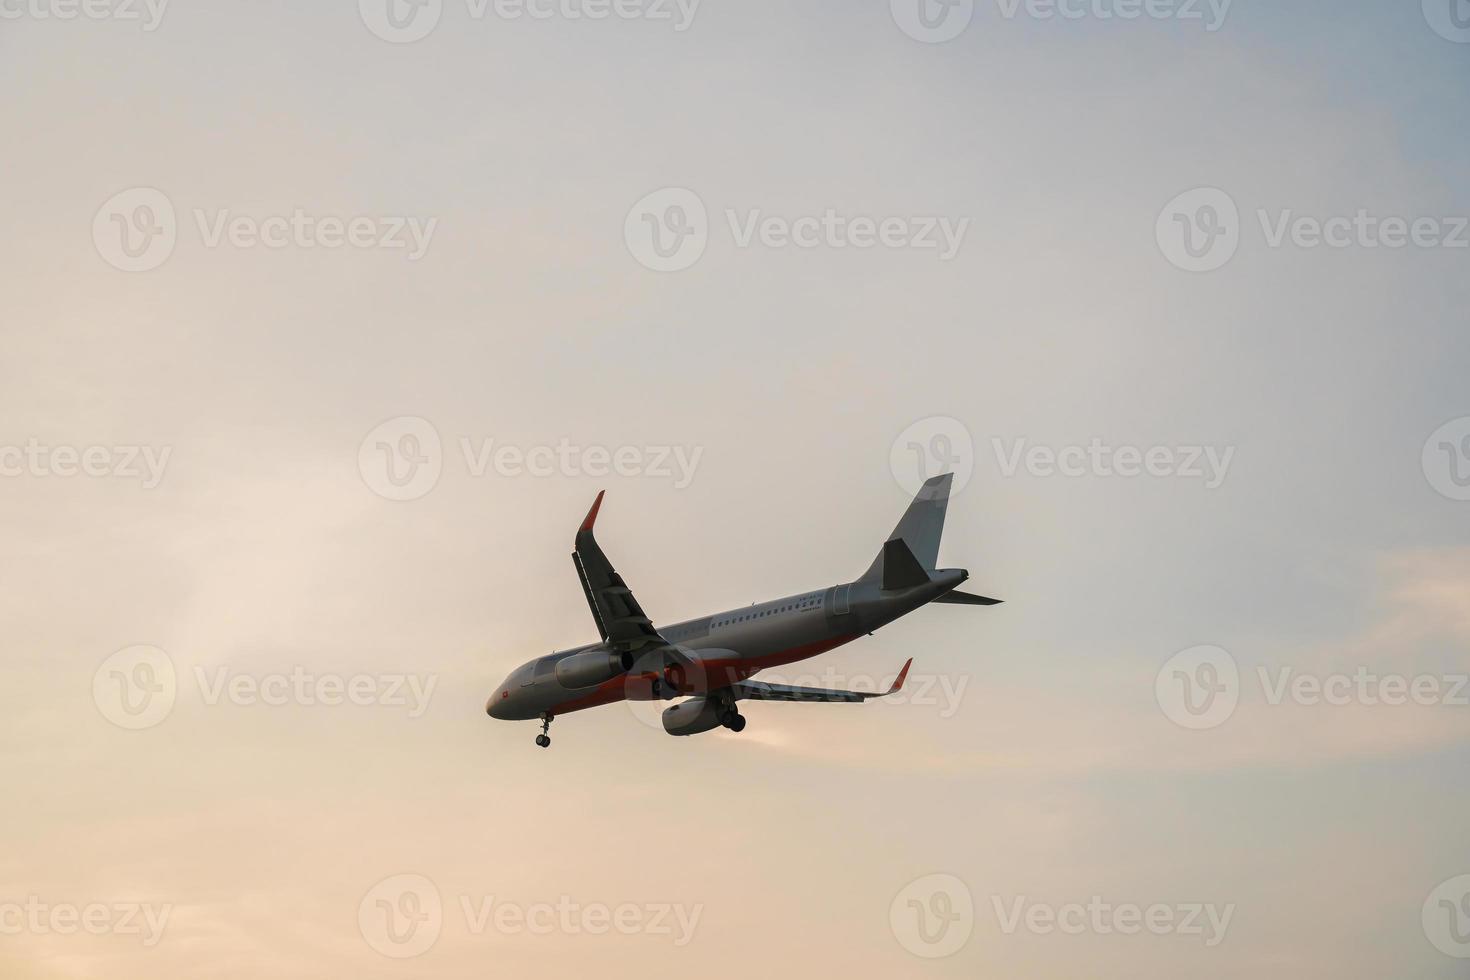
(911, 552)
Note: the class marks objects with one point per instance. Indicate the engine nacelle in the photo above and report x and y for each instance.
(692, 717)
(591, 668)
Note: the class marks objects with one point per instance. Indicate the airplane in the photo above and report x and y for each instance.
(710, 660)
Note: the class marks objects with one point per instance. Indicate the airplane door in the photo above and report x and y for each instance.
(842, 601)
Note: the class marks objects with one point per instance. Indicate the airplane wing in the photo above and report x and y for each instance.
(620, 620)
(760, 691)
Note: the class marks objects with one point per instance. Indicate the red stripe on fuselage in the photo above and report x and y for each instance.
(719, 673)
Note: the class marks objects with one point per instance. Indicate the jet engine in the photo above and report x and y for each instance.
(591, 668)
(692, 717)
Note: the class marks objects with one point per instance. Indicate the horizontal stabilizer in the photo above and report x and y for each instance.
(965, 599)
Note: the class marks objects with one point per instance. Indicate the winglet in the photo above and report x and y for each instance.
(592, 514)
(902, 676)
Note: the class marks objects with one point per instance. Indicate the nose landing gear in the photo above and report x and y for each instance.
(544, 740)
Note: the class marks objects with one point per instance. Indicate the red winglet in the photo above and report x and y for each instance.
(592, 514)
(902, 676)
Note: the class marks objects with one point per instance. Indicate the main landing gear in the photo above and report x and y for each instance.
(544, 740)
(732, 719)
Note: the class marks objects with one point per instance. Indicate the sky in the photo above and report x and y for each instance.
(324, 324)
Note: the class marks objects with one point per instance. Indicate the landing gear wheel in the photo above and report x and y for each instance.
(543, 740)
(737, 724)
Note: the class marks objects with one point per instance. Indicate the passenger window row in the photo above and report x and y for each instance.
(808, 602)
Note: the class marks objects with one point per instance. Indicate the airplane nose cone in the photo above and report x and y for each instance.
(492, 706)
